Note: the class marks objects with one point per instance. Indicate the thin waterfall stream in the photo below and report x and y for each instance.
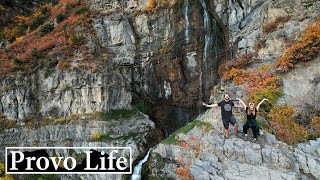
(186, 19)
(138, 169)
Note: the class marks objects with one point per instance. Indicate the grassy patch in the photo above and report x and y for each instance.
(207, 127)
(42, 177)
(8, 88)
(7, 124)
(46, 121)
(116, 114)
(172, 138)
(107, 137)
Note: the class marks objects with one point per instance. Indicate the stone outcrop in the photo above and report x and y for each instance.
(205, 154)
(137, 132)
(302, 89)
(63, 94)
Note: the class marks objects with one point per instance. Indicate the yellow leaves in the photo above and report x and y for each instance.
(20, 20)
(4, 176)
(10, 32)
(265, 67)
(154, 4)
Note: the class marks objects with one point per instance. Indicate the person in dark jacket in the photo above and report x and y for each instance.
(251, 113)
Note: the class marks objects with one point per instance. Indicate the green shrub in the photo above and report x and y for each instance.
(36, 54)
(60, 17)
(76, 39)
(38, 21)
(65, 32)
(17, 61)
(49, 67)
(47, 28)
(95, 136)
(82, 10)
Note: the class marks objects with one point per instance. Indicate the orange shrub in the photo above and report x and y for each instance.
(184, 173)
(155, 4)
(285, 128)
(305, 49)
(243, 61)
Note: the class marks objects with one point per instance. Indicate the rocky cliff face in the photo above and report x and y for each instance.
(203, 153)
(171, 51)
(63, 94)
(167, 56)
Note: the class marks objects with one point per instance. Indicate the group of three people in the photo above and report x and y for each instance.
(228, 118)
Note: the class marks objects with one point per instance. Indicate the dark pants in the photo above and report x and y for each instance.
(251, 123)
(227, 120)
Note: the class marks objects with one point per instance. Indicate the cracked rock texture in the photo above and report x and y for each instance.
(208, 155)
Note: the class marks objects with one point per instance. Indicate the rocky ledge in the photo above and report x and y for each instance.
(137, 132)
(200, 151)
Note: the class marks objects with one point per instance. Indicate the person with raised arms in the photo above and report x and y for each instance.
(226, 114)
(251, 122)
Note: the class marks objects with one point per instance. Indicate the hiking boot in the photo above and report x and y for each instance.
(246, 137)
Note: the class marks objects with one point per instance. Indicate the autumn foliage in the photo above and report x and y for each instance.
(285, 128)
(305, 49)
(314, 127)
(59, 40)
(155, 4)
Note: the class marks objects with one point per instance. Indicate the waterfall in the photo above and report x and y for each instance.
(207, 30)
(137, 170)
(205, 65)
(186, 19)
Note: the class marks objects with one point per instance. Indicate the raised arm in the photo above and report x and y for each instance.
(258, 106)
(211, 105)
(242, 103)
